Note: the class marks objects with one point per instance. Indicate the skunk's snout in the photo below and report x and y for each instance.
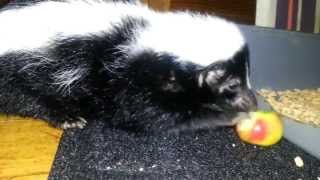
(245, 101)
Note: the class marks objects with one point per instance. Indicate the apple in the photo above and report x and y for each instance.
(263, 128)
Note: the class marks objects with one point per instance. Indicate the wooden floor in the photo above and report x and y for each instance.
(27, 148)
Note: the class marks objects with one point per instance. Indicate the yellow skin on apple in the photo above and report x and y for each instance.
(262, 128)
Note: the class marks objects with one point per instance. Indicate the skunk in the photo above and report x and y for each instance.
(68, 62)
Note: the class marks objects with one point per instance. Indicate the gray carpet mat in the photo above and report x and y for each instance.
(99, 152)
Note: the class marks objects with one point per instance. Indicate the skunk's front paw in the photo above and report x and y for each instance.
(78, 122)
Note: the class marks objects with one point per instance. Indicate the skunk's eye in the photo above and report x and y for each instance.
(234, 84)
(171, 87)
(231, 85)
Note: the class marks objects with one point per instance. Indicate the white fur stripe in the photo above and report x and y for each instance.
(37, 25)
(197, 38)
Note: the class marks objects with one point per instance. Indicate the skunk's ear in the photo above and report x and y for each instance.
(211, 76)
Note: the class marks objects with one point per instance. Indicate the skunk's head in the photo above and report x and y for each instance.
(228, 80)
(220, 86)
(196, 67)
(188, 95)
(185, 70)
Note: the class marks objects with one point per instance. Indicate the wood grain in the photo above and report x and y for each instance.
(27, 148)
(3, 2)
(161, 5)
(241, 11)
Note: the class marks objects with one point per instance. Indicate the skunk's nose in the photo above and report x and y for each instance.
(245, 101)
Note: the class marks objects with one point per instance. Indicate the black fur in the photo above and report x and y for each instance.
(146, 92)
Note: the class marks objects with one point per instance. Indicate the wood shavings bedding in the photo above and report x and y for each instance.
(301, 105)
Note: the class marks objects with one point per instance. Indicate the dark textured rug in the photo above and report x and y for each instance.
(99, 152)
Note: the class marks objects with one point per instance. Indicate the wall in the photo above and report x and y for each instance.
(295, 15)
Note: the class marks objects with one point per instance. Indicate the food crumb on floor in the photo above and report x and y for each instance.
(233, 145)
(108, 168)
(299, 162)
(153, 166)
(141, 169)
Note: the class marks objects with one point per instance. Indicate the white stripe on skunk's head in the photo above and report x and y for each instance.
(200, 39)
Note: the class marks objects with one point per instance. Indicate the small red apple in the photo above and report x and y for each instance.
(262, 128)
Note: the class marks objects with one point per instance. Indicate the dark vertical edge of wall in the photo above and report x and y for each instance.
(295, 13)
(282, 14)
(308, 15)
